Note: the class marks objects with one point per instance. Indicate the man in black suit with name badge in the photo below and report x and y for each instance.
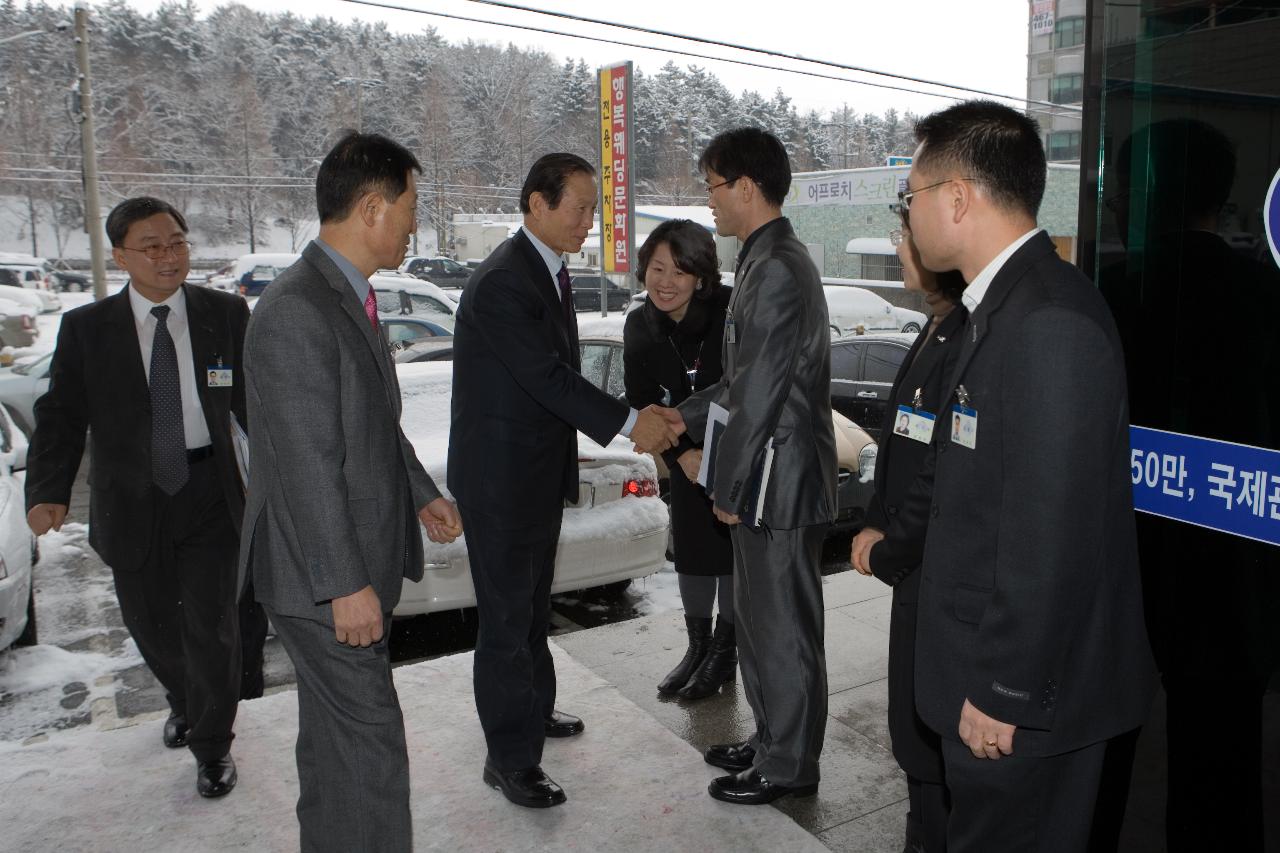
(518, 403)
(154, 372)
(1031, 646)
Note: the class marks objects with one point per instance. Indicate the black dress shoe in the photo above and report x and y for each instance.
(562, 725)
(734, 757)
(175, 731)
(529, 787)
(750, 788)
(215, 778)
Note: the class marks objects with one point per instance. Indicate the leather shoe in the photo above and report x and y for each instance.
(734, 757)
(562, 725)
(750, 788)
(175, 731)
(529, 787)
(215, 778)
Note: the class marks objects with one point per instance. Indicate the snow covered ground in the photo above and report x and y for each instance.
(82, 649)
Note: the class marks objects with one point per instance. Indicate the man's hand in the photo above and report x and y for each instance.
(357, 618)
(690, 463)
(726, 517)
(985, 736)
(441, 519)
(42, 518)
(655, 430)
(860, 550)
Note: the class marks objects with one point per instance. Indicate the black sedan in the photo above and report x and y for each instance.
(586, 294)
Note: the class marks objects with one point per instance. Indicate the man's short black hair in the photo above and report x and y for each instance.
(994, 145)
(548, 176)
(359, 164)
(749, 152)
(693, 250)
(132, 210)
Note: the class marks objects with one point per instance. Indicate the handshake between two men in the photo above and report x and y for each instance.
(656, 429)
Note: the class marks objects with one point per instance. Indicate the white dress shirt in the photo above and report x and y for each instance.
(977, 288)
(193, 425)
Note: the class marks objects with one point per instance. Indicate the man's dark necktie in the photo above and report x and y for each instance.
(168, 439)
(570, 317)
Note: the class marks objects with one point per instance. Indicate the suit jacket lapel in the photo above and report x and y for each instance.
(1002, 285)
(548, 290)
(122, 338)
(350, 305)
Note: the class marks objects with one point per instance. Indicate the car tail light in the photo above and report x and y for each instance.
(244, 291)
(640, 488)
(27, 323)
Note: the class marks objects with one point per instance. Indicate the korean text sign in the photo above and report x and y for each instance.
(617, 207)
(1234, 488)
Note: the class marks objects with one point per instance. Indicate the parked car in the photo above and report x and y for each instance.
(399, 293)
(855, 449)
(29, 271)
(20, 387)
(42, 301)
(425, 349)
(17, 324)
(862, 373)
(444, 272)
(250, 274)
(851, 308)
(586, 294)
(67, 280)
(18, 550)
(403, 330)
(614, 531)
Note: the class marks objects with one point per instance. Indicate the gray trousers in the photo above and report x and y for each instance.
(778, 603)
(353, 765)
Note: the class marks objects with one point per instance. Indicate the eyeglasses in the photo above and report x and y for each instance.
(904, 198)
(712, 187)
(900, 211)
(180, 249)
(896, 237)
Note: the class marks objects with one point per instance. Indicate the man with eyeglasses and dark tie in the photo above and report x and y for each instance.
(154, 372)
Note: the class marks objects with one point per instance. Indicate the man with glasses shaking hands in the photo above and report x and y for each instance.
(154, 372)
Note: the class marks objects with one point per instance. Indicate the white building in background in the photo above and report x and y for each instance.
(1055, 73)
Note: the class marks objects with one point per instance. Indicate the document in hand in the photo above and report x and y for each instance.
(240, 442)
(757, 488)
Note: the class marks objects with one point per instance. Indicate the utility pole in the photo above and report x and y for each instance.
(92, 209)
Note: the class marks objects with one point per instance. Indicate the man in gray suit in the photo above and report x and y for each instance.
(776, 385)
(335, 495)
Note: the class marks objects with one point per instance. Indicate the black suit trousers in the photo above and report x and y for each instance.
(181, 607)
(1015, 804)
(515, 678)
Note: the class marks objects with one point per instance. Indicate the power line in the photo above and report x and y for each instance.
(503, 4)
(1048, 105)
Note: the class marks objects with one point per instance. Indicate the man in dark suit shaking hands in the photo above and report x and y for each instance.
(336, 494)
(518, 404)
(154, 372)
(1031, 646)
(776, 386)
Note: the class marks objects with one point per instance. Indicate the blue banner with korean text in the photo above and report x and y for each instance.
(1229, 487)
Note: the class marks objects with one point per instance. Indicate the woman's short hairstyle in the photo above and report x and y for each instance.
(693, 250)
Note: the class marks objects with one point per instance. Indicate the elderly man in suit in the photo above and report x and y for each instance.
(776, 385)
(518, 404)
(1031, 646)
(335, 496)
(155, 373)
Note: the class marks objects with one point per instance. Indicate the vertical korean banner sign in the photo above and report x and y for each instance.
(617, 211)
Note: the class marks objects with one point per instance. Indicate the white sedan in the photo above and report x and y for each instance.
(851, 307)
(615, 531)
(17, 545)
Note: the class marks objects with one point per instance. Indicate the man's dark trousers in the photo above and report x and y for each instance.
(515, 678)
(194, 651)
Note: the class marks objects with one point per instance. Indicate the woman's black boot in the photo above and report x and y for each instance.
(720, 664)
(699, 645)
